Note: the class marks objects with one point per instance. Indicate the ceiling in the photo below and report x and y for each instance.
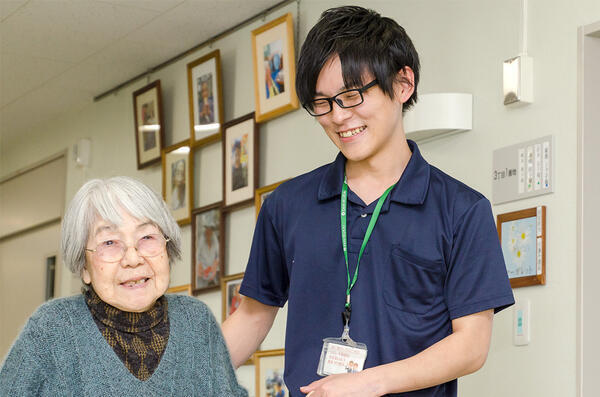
(57, 55)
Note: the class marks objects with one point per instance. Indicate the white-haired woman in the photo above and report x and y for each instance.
(122, 336)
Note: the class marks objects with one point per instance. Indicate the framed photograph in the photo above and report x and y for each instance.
(274, 68)
(269, 365)
(180, 289)
(523, 238)
(148, 117)
(261, 194)
(177, 187)
(230, 293)
(205, 98)
(240, 161)
(207, 248)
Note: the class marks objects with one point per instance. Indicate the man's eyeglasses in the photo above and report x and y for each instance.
(114, 250)
(345, 99)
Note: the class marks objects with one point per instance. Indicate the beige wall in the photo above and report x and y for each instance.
(462, 44)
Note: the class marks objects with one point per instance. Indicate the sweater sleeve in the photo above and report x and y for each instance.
(23, 372)
(226, 383)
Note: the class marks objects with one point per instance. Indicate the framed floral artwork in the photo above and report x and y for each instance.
(523, 239)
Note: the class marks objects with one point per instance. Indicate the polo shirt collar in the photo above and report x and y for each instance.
(411, 189)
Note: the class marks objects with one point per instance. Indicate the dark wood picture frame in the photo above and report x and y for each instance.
(520, 240)
(274, 96)
(149, 124)
(201, 214)
(171, 155)
(234, 178)
(206, 113)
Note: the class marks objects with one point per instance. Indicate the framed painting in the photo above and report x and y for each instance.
(207, 248)
(523, 239)
(148, 118)
(269, 366)
(240, 161)
(274, 68)
(177, 186)
(261, 194)
(205, 98)
(230, 293)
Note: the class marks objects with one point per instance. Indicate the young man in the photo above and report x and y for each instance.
(431, 269)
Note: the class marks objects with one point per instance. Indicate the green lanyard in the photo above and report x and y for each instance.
(372, 222)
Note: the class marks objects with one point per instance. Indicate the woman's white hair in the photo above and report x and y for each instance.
(105, 198)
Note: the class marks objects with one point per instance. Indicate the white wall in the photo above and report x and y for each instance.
(462, 44)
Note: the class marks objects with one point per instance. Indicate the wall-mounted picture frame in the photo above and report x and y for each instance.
(177, 182)
(240, 161)
(269, 366)
(274, 61)
(523, 239)
(261, 194)
(207, 248)
(148, 119)
(184, 289)
(230, 294)
(205, 98)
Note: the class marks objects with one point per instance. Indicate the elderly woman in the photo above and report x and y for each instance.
(123, 336)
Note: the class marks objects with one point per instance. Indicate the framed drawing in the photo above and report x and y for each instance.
(207, 248)
(205, 98)
(230, 293)
(148, 117)
(523, 238)
(261, 194)
(240, 161)
(180, 289)
(177, 186)
(274, 68)
(269, 365)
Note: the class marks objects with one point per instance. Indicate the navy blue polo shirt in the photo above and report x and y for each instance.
(433, 256)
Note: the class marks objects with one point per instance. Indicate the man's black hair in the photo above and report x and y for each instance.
(365, 42)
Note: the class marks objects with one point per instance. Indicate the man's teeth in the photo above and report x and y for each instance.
(349, 133)
(136, 282)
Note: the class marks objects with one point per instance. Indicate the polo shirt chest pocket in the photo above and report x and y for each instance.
(412, 284)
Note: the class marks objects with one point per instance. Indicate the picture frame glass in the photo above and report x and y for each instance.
(207, 250)
(233, 298)
(272, 50)
(205, 99)
(519, 246)
(270, 377)
(177, 176)
(149, 123)
(239, 162)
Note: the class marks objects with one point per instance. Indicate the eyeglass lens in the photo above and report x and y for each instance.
(345, 99)
(147, 246)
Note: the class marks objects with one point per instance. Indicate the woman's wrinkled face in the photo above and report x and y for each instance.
(133, 283)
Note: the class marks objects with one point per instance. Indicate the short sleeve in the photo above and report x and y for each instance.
(477, 279)
(266, 278)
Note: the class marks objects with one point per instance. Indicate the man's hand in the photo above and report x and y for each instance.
(342, 385)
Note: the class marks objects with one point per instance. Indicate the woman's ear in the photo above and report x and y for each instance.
(404, 85)
(86, 276)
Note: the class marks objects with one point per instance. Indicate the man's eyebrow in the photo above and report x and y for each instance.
(338, 91)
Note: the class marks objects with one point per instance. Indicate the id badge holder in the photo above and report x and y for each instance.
(342, 355)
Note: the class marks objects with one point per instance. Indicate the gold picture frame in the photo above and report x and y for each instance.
(177, 181)
(230, 294)
(261, 194)
(274, 62)
(269, 368)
